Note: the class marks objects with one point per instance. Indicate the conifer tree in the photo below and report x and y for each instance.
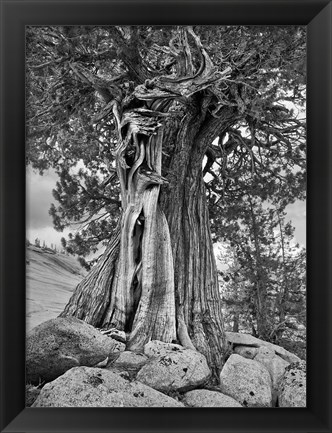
(154, 131)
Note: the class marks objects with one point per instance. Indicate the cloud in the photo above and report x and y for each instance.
(47, 234)
(296, 213)
(39, 198)
(38, 201)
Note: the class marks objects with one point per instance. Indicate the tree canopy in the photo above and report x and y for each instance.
(72, 72)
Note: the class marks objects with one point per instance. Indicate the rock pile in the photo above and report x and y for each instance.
(96, 387)
(75, 365)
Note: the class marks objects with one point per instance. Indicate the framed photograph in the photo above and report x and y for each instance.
(171, 133)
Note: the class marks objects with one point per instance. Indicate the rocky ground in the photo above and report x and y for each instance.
(71, 364)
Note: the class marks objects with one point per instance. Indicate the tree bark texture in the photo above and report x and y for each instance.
(158, 278)
(198, 303)
(92, 294)
(142, 300)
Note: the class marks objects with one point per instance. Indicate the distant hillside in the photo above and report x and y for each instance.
(50, 281)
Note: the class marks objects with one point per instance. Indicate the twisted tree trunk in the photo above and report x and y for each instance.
(142, 300)
(198, 303)
(161, 280)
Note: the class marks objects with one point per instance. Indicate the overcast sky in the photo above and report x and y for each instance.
(38, 200)
(39, 222)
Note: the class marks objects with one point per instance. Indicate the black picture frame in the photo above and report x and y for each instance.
(15, 15)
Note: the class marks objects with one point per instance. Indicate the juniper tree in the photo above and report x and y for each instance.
(150, 129)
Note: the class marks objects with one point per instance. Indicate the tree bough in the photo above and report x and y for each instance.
(157, 279)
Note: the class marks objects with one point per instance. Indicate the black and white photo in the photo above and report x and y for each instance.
(166, 216)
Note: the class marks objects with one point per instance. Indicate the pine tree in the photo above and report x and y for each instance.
(264, 288)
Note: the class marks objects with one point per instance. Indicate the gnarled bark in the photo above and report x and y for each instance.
(163, 284)
(92, 295)
(142, 300)
(198, 303)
